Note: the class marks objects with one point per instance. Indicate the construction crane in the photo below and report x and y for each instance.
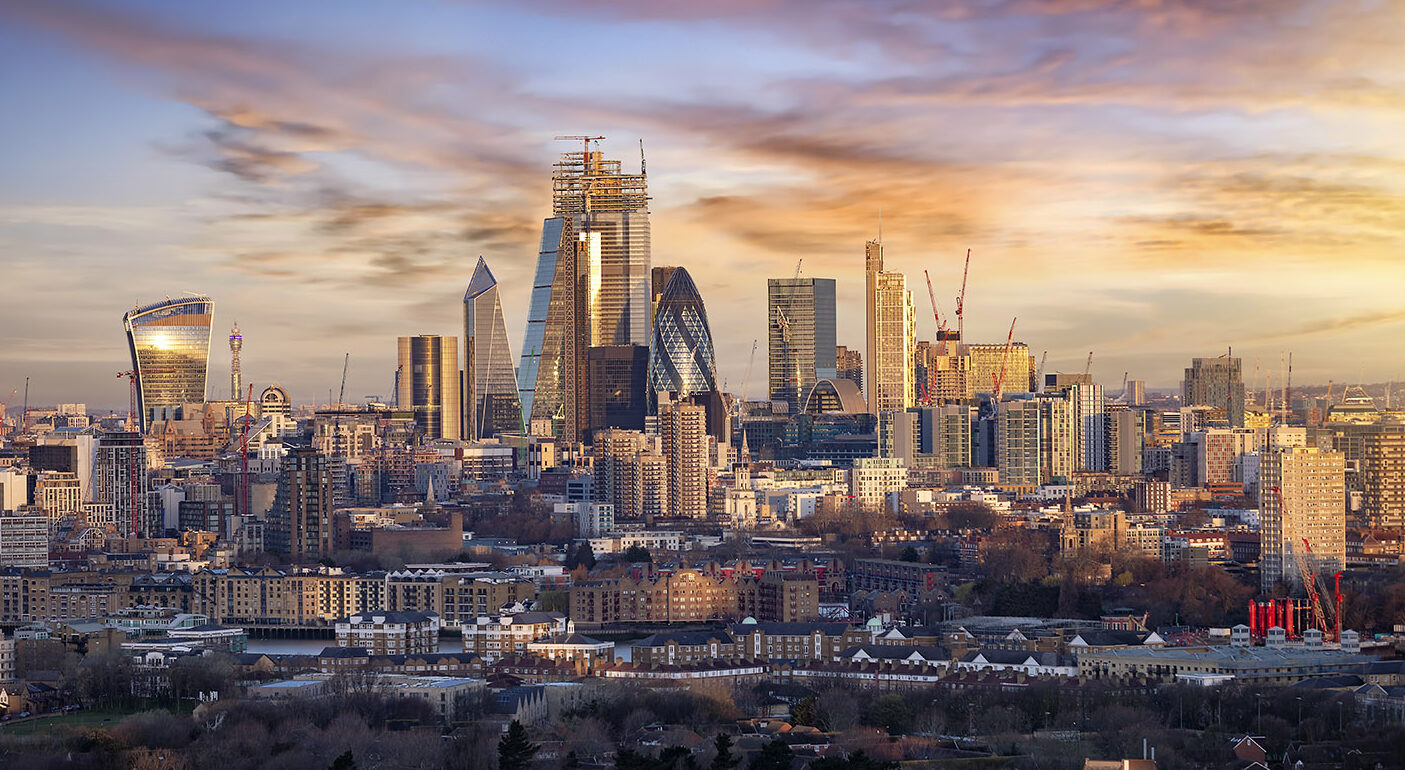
(1088, 367)
(798, 263)
(134, 468)
(1288, 391)
(1004, 359)
(244, 454)
(336, 421)
(24, 418)
(1321, 418)
(1335, 599)
(1305, 571)
(586, 140)
(1123, 398)
(961, 301)
(937, 317)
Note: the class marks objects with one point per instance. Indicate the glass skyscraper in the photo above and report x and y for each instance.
(603, 201)
(891, 330)
(427, 383)
(490, 403)
(551, 377)
(681, 359)
(800, 335)
(170, 346)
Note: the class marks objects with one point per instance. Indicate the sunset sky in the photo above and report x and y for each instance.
(1147, 180)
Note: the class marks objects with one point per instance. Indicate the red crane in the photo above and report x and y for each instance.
(1336, 606)
(586, 140)
(936, 316)
(1004, 360)
(961, 301)
(134, 468)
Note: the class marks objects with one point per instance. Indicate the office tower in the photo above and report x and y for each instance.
(300, 522)
(121, 481)
(236, 377)
(848, 365)
(618, 376)
(1302, 495)
(170, 346)
(1136, 393)
(1126, 438)
(1218, 383)
(681, 360)
(428, 384)
(490, 403)
(610, 211)
(658, 281)
(800, 336)
(1383, 475)
(891, 324)
(987, 361)
(551, 380)
(683, 428)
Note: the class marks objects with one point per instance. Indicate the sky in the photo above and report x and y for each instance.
(1144, 179)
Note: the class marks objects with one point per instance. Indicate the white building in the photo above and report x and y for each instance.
(874, 477)
(24, 540)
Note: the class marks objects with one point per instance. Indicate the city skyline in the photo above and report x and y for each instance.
(1191, 208)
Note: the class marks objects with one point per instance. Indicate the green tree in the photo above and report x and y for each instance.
(909, 554)
(585, 555)
(638, 553)
(807, 712)
(725, 759)
(775, 755)
(515, 751)
(890, 712)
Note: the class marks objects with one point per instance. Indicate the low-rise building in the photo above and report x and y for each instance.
(1250, 665)
(500, 636)
(390, 632)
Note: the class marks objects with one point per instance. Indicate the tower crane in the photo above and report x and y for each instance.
(961, 301)
(1123, 398)
(1088, 367)
(937, 317)
(1334, 599)
(586, 140)
(1004, 360)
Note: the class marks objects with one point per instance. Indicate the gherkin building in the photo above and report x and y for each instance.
(681, 359)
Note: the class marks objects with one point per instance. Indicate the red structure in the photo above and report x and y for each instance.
(1294, 616)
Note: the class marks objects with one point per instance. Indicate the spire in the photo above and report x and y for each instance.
(429, 496)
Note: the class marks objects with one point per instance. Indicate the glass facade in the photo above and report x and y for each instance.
(681, 359)
(550, 378)
(490, 402)
(428, 384)
(170, 346)
(800, 336)
(617, 386)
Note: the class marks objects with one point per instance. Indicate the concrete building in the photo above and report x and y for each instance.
(1217, 383)
(24, 540)
(685, 448)
(873, 478)
(848, 365)
(1383, 476)
(390, 633)
(891, 323)
(121, 481)
(1302, 496)
(300, 522)
(494, 637)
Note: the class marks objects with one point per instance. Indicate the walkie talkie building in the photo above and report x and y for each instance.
(170, 346)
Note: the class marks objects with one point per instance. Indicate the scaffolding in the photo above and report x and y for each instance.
(587, 183)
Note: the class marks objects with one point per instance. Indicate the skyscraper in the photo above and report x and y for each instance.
(619, 376)
(170, 346)
(1383, 475)
(236, 377)
(891, 323)
(681, 359)
(683, 427)
(121, 481)
(551, 380)
(1216, 382)
(800, 336)
(428, 384)
(848, 365)
(1302, 496)
(613, 206)
(490, 403)
(300, 522)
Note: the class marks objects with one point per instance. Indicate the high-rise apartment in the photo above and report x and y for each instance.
(551, 380)
(891, 323)
(428, 384)
(1126, 437)
(1383, 475)
(121, 481)
(1135, 395)
(490, 403)
(610, 212)
(800, 336)
(1218, 383)
(848, 365)
(300, 522)
(683, 427)
(1302, 496)
(169, 343)
(681, 359)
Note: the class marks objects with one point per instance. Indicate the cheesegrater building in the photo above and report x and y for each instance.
(170, 346)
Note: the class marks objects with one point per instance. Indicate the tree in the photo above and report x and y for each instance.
(515, 751)
(344, 761)
(807, 712)
(638, 553)
(724, 760)
(775, 755)
(889, 711)
(909, 554)
(585, 556)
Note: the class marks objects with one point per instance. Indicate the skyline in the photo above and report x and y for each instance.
(1188, 179)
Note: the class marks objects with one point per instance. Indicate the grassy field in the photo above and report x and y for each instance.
(73, 720)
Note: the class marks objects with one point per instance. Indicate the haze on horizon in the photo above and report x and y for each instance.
(1151, 181)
